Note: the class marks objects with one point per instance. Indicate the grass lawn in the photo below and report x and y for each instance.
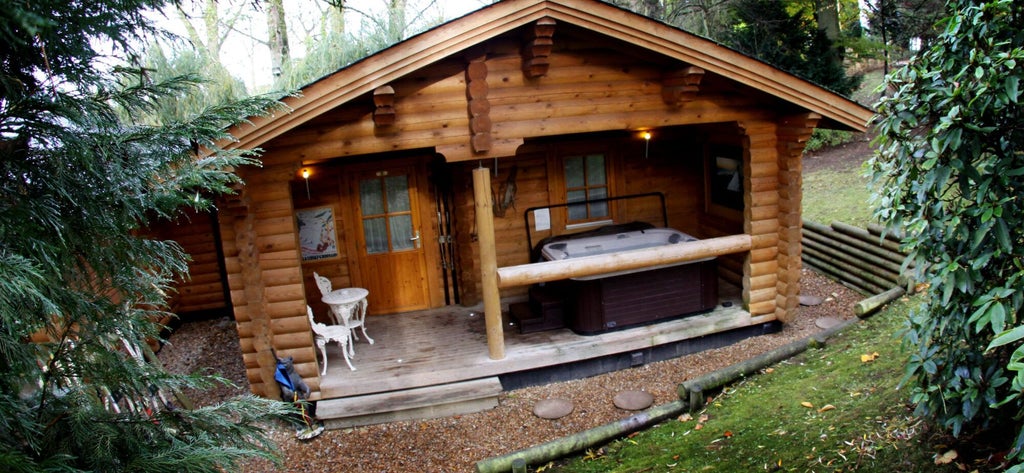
(837, 408)
(837, 194)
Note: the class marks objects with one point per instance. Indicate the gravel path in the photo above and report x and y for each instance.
(455, 444)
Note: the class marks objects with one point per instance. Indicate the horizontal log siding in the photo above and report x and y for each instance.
(761, 217)
(261, 251)
(793, 133)
(583, 91)
(203, 288)
(673, 166)
(509, 231)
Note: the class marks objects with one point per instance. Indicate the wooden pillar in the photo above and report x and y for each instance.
(760, 216)
(793, 133)
(254, 311)
(488, 263)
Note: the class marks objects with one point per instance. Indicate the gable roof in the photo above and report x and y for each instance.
(465, 32)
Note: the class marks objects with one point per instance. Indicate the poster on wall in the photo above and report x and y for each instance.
(317, 238)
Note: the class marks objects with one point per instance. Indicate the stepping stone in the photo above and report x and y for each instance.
(633, 400)
(810, 300)
(828, 322)
(553, 408)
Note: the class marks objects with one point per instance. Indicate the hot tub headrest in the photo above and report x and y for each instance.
(535, 253)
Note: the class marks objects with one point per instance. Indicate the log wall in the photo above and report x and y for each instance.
(261, 255)
(203, 290)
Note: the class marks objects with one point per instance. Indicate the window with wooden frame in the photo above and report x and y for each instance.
(724, 180)
(586, 179)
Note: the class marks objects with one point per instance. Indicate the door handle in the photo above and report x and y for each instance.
(416, 238)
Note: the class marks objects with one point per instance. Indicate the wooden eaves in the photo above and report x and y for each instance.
(461, 34)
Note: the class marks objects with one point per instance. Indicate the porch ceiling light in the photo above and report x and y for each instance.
(305, 175)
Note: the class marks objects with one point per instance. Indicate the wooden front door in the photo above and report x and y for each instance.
(391, 259)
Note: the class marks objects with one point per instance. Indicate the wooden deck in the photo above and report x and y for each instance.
(449, 345)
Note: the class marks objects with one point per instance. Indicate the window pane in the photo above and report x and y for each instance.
(401, 232)
(398, 193)
(376, 235)
(577, 212)
(599, 209)
(574, 172)
(595, 170)
(370, 198)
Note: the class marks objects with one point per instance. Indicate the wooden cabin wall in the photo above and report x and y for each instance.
(585, 90)
(531, 186)
(261, 254)
(673, 165)
(329, 186)
(325, 190)
(716, 221)
(203, 291)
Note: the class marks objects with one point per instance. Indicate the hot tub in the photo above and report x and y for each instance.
(627, 298)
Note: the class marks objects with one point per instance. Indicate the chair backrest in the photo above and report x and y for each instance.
(312, 322)
(323, 283)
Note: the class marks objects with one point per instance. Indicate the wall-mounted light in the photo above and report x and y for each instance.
(305, 175)
(647, 142)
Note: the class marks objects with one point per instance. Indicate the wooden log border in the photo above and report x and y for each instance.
(859, 259)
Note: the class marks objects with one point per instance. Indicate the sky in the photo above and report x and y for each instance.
(249, 60)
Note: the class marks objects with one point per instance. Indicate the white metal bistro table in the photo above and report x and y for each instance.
(348, 307)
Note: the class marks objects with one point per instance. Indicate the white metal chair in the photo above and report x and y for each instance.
(324, 334)
(350, 314)
(323, 283)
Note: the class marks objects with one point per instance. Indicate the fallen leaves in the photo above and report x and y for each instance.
(807, 405)
(868, 358)
(946, 458)
(826, 408)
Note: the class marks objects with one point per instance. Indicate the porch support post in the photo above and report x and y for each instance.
(488, 262)
(793, 133)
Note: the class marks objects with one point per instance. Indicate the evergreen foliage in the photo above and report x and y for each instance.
(80, 175)
(790, 41)
(950, 170)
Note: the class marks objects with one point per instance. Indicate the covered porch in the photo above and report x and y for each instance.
(435, 362)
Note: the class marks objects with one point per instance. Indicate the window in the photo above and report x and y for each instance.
(586, 179)
(725, 177)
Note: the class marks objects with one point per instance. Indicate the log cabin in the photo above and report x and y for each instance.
(449, 173)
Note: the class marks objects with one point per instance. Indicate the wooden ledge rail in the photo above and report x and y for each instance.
(525, 274)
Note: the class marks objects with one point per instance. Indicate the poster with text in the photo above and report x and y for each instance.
(317, 237)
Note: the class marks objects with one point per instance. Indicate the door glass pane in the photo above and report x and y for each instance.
(401, 232)
(574, 172)
(398, 193)
(370, 197)
(376, 235)
(595, 170)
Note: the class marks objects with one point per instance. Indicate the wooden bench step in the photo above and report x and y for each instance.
(418, 403)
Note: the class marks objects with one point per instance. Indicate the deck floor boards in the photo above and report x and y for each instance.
(450, 345)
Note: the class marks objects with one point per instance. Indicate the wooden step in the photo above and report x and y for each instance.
(428, 402)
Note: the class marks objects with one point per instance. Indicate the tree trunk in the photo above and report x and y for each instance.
(277, 36)
(826, 13)
(396, 20)
(336, 17)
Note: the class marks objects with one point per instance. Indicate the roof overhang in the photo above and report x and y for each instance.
(463, 33)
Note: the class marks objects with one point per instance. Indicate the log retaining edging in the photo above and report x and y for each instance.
(867, 261)
(688, 390)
